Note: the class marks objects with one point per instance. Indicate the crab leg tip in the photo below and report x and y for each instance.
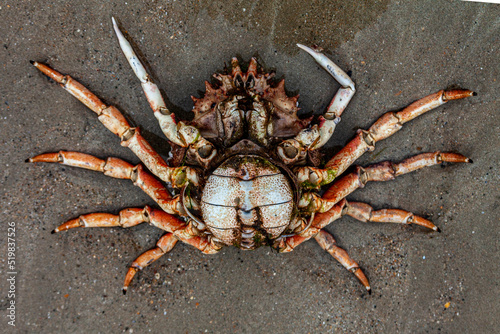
(53, 231)
(469, 161)
(124, 290)
(437, 229)
(369, 290)
(32, 62)
(116, 29)
(27, 160)
(305, 48)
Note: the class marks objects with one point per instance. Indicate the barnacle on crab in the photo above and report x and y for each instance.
(246, 170)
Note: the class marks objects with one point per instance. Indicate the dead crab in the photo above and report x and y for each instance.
(246, 169)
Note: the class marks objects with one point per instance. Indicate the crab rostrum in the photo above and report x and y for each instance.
(246, 170)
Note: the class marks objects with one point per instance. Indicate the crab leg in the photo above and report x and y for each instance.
(178, 133)
(126, 218)
(364, 141)
(328, 243)
(120, 169)
(190, 235)
(288, 244)
(318, 135)
(384, 171)
(116, 123)
(163, 246)
(365, 213)
(184, 233)
(339, 101)
(358, 210)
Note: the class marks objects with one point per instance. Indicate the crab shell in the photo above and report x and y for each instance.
(247, 200)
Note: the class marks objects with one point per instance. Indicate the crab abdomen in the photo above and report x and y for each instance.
(247, 200)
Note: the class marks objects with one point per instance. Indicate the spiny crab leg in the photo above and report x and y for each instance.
(120, 169)
(328, 243)
(318, 135)
(116, 123)
(383, 171)
(385, 126)
(179, 133)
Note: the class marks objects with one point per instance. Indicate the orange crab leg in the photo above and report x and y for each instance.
(118, 168)
(320, 220)
(163, 246)
(328, 243)
(184, 233)
(177, 230)
(385, 171)
(358, 210)
(384, 127)
(126, 218)
(190, 235)
(365, 213)
(116, 123)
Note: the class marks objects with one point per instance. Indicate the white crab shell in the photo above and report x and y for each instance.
(247, 199)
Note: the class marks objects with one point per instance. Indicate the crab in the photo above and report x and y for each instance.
(246, 171)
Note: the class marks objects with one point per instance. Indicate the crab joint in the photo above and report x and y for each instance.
(311, 202)
(190, 235)
(181, 176)
(202, 149)
(291, 151)
(295, 149)
(314, 178)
